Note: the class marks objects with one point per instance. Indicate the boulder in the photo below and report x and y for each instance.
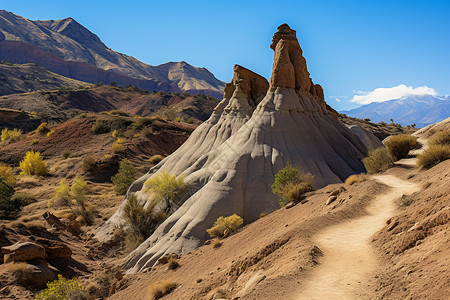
(23, 251)
(331, 199)
(55, 249)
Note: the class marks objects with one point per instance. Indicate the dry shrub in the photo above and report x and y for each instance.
(160, 289)
(294, 191)
(399, 146)
(378, 160)
(117, 147)
(222, 225)
(155, 159)
(355, 178)
(440, 138)
(88, 163)
(173, 264)
(433, 155)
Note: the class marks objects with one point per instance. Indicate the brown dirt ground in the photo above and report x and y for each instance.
(273, 257)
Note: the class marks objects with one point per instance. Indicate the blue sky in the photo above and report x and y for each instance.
(352, 47)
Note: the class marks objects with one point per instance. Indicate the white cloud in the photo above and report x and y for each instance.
(396, 92)
(338, 100)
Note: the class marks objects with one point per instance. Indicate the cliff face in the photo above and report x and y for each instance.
(230, 161)
(69, 41)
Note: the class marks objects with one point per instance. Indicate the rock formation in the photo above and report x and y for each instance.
(367, 137)
(230, 161)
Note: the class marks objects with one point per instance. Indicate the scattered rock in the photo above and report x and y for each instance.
(23, 251)
(207, 242)
(290, 205)
(392, 226)
(330, 200)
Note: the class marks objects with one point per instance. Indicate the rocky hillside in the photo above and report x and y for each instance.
(62, 104)
(68, 48)
(16, 78)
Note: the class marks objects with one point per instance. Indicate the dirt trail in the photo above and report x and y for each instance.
(348, 259)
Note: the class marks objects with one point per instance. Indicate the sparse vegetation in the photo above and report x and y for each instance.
(124, 177)
(11, 135)
(433, 155)
(440, 138)
(166, 188)
(33, 164)
(74, 197)
(7, 207)
(160, 289)
(173, 264)
(216, 243)
(43, 128)
(7, 174)
(34, 141)
(50, 133)
(224, 226)
(290, 184)
(141, 221)
(20, 272)
(117, 148)
(61, 288)
(355, 178)
(66, 154)
(115, 133)
(100, 126)
(155, 159)
(88, 163)
(378, 160)
(399, 146)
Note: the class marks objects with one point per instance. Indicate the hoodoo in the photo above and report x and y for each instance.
(230, 160)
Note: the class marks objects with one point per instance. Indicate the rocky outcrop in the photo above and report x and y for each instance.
(368, 138)
(230, 160)
(23, 251)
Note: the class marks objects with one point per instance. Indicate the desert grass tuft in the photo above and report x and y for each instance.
(355, 178)
(440, 138)
(173, 264)
(160, 289)
(378, 160)
(433, 155)
(216, 243)
(399, 146)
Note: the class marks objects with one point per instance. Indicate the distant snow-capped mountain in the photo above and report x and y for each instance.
(419, 110)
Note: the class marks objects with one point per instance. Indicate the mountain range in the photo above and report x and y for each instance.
(67, 48)
(420, 110)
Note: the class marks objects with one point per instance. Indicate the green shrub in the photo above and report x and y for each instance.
(169, 114)
(290, 184)
(124, 177)
(378, 160)
(88, 164)
(33, 164)
(433, 155)
(399, 146)
(7, 174)
(141, 221)
(60, 289)
(74, 197)
(222, 225)
(66, 154)
(166, 188)
(440, 138)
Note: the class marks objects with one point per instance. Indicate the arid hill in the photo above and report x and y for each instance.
(67, 48)
(16, 78)
(62, 104)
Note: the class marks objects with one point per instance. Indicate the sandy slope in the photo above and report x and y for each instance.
(348, 256)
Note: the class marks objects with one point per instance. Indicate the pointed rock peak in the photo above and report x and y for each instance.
(289, 66)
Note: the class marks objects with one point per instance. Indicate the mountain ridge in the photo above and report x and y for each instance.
(72, 42)
(419, 110)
